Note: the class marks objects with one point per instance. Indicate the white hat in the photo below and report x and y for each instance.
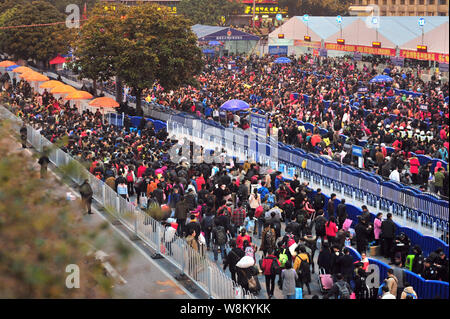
(388, 126)
(409, 127)
(422, 133)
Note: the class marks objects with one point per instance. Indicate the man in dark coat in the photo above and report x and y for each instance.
(341, 213)
(362, 232)
(346, 265)
(23, 135)
(319, 200)
(232, 258)
(330, 205)
(86, 195)
(181, 211)
(388, 229)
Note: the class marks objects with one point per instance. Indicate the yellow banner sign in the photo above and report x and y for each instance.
(303, 43)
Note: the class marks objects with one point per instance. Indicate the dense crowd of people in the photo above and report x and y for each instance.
(234, 209)
(420, 124)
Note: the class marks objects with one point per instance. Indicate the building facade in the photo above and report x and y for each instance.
(400, 7)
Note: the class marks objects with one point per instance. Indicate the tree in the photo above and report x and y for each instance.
(143, 45)
(40, 43)
(315, 7)
(209, 12)
(96, 47)
(41, 234)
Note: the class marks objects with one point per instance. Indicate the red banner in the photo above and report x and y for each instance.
(359, 48)
(303, 43)
(429, 56)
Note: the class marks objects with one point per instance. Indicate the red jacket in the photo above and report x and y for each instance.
(240, 241)
(267, 263)
(331, 229)
(414, 163)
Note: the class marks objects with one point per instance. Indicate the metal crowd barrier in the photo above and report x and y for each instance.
(361, 186)
(196, 265)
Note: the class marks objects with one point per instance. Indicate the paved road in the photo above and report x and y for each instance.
(145, 278)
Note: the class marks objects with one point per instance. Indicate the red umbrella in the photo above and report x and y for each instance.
(58, 60)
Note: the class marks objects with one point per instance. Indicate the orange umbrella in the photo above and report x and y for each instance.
(50, 84)
(6, 63)
(79, 95)
(104, 102)
(62, 89)
(22, 69)
(37, 78)
(27, 74)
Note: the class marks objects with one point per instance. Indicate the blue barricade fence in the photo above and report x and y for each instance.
(367, 185)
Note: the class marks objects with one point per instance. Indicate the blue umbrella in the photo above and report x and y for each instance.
(283, 60)
(12, 67)
(381, 78)
(214, 43)
(234, 105)
(206, 51)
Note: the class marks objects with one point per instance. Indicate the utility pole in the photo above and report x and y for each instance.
(253, 16)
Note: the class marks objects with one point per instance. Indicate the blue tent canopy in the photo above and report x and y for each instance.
(381, 78)
(214, 43)
(208, 51)
(234, 106)
(283, 60)
(12, 67)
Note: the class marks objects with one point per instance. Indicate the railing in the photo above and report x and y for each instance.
(428, 211)
(195, 265)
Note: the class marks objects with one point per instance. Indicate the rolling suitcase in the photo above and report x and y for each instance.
(298, 293)
(325, 281)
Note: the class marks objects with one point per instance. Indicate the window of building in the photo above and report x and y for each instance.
(384, 2)
(421, 2)
(442, 2)
(411, 1)
(402, 1)
(430, 1)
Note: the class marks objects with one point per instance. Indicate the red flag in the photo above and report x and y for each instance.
(84, 12)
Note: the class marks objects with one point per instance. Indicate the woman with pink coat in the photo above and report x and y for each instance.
(377, 227)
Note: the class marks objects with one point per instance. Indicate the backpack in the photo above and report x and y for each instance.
(271, 200)
(258, 211)
(291, 240)
(275, 267)
(283, 258)
(249, 252)
(268, 239)
(304, 266)
(344, 293)
(318, 202)
(222, 209)
(221, 236)
(320, 226)
(129, 177)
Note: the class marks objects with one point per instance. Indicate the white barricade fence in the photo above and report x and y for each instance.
(196, 265)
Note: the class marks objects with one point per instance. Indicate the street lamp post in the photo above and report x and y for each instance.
(375, 23)
(339, 21)
(254, 9)
(421, 24)
(306, 19)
